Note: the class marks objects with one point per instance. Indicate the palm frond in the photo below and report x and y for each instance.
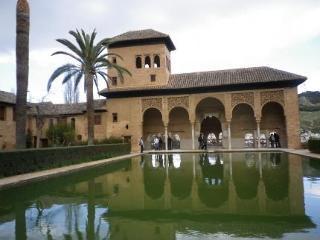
(59, 71)
(78, 79)
(71, 46)
(68, 54)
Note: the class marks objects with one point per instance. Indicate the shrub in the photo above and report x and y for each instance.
(314, 145)
(61, 134)
(30, 160)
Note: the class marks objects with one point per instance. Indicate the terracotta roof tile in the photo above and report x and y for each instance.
(222, 78)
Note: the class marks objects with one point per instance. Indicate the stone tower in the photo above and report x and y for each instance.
(146, 54)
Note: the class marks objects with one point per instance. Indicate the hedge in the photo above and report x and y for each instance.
(314, 145)
(31, 160)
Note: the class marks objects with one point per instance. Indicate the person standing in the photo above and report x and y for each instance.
(141, 144)
(272, 140)
(277, 140)
(156, 143)
(200, 141)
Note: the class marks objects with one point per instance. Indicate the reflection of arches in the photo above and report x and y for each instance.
(180, 175)
(246, 187)
(243, 122)
(152, 125)
(273, 119)
(212, 189)
(179, 125)
(154, 179)
(276, 177)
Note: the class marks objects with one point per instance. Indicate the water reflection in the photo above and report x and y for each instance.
(160, 196)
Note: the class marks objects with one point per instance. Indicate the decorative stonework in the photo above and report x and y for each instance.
(151, 103)
(237, 98)
(178, 102)
(272, 96)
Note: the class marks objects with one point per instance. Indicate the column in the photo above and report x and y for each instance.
(258, 133)
(229, 134)
(166, 135)
(192, 134)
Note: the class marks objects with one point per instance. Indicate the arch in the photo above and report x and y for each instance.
(273, 119)
(210, 116)
(138, 62)
(152, 126)
(243, 126)
(213, 190)
(147, 62)
(213, 100)
(73, 123)
(156, 61)
(179, 124)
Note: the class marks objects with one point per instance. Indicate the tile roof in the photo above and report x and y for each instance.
(50, 109)
(140, 35)
(220, 78)
(6, 97)
(231, 77)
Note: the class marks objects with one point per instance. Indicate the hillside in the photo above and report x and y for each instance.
(310, 110)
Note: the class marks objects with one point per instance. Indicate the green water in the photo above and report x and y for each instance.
(179, 196)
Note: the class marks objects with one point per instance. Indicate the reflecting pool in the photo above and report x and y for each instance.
(177, 196)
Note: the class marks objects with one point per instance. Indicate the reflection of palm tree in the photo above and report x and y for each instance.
(91, 210)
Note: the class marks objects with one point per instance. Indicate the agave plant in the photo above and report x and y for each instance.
(91, 63)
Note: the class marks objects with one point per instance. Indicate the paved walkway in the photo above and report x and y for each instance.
(303, 152)
(41, 175)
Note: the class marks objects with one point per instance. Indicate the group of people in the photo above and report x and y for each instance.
(202, 142)
(274, 140)
(157, 143)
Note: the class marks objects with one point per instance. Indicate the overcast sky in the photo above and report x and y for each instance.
(208, 35)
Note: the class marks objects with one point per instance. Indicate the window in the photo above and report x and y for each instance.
(114, 60)
(114, 81)
(79, 137)
(62, 120)
(138, 62)
(152, 77)
(97, 119)
(14, 113)
(50, 122)
(2, 113)
(156, 61)
(147, 62)
(73, 123)
(114, 117)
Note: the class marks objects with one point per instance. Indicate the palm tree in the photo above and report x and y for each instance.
(22, 61)
(91, 63)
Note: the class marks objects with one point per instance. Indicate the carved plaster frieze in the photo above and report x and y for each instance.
(151, 103)
(178, 102)
(246, 97)
(272, 96)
